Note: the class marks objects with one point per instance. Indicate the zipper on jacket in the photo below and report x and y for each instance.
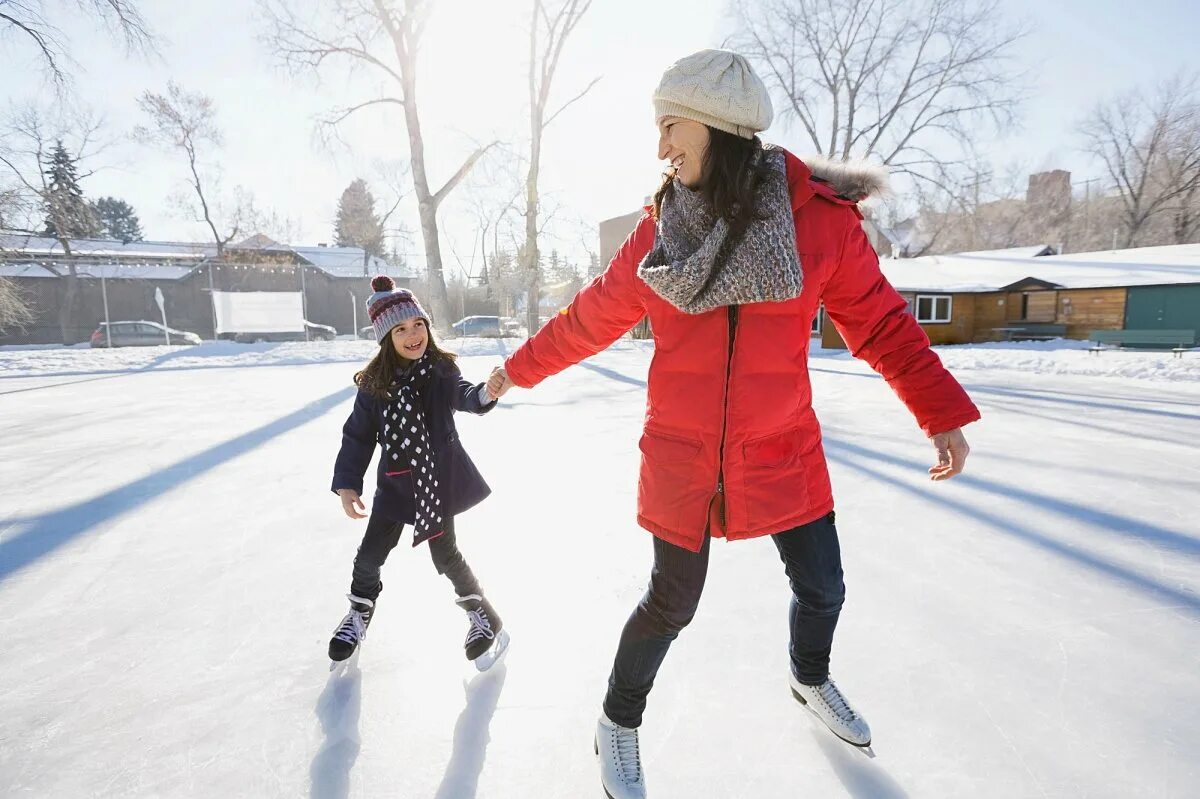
(733, 322)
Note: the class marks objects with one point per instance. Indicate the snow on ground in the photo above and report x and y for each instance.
(172, 563)
(1061, 356)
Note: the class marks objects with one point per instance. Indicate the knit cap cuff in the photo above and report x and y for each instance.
(670, 108)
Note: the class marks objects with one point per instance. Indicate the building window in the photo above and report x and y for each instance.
(933, 309)
(818, 321)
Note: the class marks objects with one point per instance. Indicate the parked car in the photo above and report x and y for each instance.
(316, 332)
(484, 326)
(139, 334)
(509, 327)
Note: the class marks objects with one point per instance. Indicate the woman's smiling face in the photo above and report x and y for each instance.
(684, 143)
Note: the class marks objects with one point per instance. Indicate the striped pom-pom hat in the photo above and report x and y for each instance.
(389, 306)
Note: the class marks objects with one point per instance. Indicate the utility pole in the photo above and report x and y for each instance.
(979, 179)
(1087, 207)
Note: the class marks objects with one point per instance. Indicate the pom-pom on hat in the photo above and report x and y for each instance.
(388, 306)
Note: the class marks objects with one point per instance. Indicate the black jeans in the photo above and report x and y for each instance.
(379, 540)
(812, 560)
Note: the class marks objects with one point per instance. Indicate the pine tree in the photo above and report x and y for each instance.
(117, 219)
(357, 223)
(68, 215)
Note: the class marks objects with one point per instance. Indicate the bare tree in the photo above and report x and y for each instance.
(383, 37)
(31, 21)
(551, 23)
(29, 143)
(1149, 144)
(14, 310)
(395, 176)
(896, 81)
(186, 122)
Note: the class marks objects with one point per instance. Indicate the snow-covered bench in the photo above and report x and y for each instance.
(1180, 341)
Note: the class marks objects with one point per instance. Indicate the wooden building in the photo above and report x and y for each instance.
(977, 297)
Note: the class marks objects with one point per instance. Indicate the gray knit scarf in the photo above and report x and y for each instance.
(695, 268)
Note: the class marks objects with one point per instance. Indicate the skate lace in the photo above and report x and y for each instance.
(629, 758)
(352, 629)
(480, 626)
(837, 703)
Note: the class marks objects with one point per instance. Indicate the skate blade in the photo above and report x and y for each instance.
(864, 748)
(490, 657)
(341, 665)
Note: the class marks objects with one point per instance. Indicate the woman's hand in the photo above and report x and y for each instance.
(498, 384)
(351, 504)
(952, 452)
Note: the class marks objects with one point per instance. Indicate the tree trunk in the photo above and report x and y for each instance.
(427, 205)
(66, 311)
(532, 254)
(536, 109)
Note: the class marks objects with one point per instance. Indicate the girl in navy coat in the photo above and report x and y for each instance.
(407, 396)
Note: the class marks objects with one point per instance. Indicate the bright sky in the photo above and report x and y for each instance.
(599, 156)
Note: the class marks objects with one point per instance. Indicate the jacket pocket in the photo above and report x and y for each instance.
(672, 490)
(668, 448)
(775, 450)
(775, 477)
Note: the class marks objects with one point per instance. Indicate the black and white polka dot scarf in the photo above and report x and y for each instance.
(406, 447)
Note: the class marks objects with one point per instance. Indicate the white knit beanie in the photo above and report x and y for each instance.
(718, 88)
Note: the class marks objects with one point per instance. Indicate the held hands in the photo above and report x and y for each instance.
(498, 384)
(952, 452)
(351, 504)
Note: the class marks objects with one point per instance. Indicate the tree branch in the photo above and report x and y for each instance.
(458, 176)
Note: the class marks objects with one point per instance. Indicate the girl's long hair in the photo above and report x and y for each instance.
(732, 172)
(378, 375)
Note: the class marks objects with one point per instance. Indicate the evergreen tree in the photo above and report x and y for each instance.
(68, 215)
(357, 223)
(117, 219)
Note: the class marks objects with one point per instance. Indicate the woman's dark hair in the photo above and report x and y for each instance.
(730, 176)
(379, 374)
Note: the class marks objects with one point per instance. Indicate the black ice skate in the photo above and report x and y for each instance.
(486, 639)
(352, 630)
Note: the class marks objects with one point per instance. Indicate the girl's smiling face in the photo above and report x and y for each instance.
(410, 339)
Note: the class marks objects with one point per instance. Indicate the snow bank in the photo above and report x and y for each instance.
(30, 361)
(1062, 356)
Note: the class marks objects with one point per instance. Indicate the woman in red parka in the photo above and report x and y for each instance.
(741, 247)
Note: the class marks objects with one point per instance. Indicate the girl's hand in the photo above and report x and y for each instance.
(498, 384)
(351, 504)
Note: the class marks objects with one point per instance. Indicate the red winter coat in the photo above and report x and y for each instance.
(731, 443)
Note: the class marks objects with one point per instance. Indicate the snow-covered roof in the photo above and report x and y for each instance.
(106, 248)
(1142, 266)
(96, 270)
(343, 262)
(1035, 251)
(348, 262)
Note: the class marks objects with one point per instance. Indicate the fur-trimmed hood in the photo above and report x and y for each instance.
(855, 180)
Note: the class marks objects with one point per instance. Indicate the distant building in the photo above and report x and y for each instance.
(1026, 293)
(335, 281)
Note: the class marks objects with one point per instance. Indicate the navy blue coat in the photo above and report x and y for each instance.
(462, 485)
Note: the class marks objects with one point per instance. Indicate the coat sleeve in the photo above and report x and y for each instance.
(359, 437)
(876, 325)
(465, 396)
(599, 314)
